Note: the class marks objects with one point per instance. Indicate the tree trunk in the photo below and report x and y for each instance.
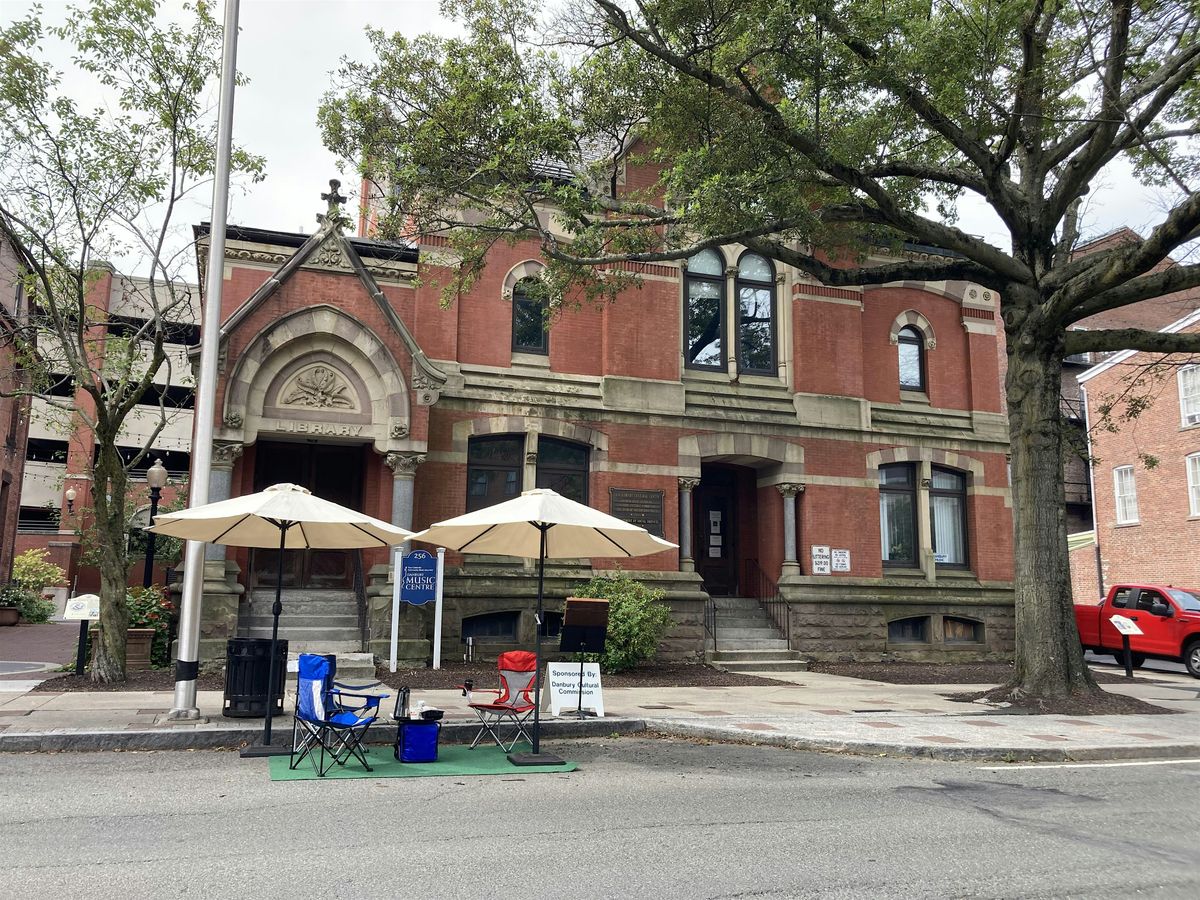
(114, 623)
(109, 534)
(1049, 658)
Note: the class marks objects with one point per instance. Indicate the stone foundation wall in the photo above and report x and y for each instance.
(835, 621)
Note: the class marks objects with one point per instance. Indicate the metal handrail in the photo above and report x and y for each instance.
(710, 621)
(757, 585)
(360, 596)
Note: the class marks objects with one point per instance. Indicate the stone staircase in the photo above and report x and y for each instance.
(313, 621)
(749, 642)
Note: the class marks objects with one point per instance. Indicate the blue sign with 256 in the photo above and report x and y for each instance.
(418, 583)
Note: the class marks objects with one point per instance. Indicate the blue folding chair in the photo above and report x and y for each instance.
(326, 728)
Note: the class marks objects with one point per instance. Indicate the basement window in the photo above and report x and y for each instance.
(913, 630)
(961, 631)
(499, 626)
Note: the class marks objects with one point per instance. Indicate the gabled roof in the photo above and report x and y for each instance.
(1116, 359)
(328, 241)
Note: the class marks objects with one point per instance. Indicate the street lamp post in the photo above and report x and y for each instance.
(156, 478)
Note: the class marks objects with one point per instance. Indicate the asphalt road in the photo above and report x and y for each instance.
(642, 818)
(1150, 665)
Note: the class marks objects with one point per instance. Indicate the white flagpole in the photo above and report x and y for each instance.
(187, 666)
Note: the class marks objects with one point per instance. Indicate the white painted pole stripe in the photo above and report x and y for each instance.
(1096, 765)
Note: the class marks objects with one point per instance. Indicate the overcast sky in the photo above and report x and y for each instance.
(288, 48)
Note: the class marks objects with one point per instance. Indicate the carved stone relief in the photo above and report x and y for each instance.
(318, 387)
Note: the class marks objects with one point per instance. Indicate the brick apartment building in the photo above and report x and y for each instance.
(1146, 473)
(759, 419)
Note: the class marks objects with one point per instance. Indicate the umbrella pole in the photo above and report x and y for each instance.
(268, 708)
(537, 758)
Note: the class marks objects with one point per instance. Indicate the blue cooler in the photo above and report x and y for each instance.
(417, 741)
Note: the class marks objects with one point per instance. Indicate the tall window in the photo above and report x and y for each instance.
(493, 469)
(948, 517)
(1125, 491)
(529, 333)
(898, 514)
(1189, 395)
(911, 344)
(756, 315)
(703, 321)
(1193, 483)
(563, 467)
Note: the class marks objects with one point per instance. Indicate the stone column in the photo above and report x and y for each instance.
(925, 521)
(789, 492)
(220, 483)
(412, 646)
(687, 562)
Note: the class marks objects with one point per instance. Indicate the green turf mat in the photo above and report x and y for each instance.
(455, 759)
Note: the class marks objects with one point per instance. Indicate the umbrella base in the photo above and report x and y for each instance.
(535, 759)
(260, 750)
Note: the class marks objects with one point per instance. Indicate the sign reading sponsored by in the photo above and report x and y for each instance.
(821, 564)
(1124, 625)
(562, 685)
(841, 560)
(84, 608)
(419, 583)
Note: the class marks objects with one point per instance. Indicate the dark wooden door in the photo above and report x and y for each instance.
(331, 471)
(714, 532)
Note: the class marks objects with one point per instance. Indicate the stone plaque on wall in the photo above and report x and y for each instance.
(642, 508)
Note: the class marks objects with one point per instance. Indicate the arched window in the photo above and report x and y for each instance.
(898, 514)
(703, 319)
(529, 331)
(562, 466)
(756, 315)
(911, 344)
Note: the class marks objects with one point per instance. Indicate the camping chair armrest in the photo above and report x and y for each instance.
(341, 685)
(370, 699)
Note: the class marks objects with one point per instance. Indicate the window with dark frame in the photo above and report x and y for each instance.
(497, 626)
(913, 630)
(562, 466)
(703, 311)
(756, 315)
(530, 333)
(898, 514)
(948, 517)
(493, 469)
(910, 345)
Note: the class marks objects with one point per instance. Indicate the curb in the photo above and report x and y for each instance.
(201, 738)
(676, 728)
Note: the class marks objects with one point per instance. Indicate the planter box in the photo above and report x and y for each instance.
(9, 615)
(137, 647)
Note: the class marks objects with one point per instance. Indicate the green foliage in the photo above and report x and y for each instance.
(149, 608)
(32, 606)
(637, 620)
(33, 571)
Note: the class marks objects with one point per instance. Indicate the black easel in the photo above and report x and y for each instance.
(584, 630)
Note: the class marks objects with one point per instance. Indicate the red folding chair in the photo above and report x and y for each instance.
(514, 703)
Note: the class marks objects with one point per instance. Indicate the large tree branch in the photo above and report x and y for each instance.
(1105, 341)
(1155, 284)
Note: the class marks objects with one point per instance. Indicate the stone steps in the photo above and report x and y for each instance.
(353, 667)
(749, 640)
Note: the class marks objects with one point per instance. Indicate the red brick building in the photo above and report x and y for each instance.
(14, 411)
(838, 451)
(1146, 472)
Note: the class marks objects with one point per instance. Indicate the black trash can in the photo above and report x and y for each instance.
(246, 674)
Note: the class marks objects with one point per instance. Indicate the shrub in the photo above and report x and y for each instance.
(148, 608)
(32, 607)
(637, 620)
(32, 571)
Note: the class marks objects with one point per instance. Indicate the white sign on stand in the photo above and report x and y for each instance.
(1124, 625)
(562, 687)
(821, 562)
(84, 608)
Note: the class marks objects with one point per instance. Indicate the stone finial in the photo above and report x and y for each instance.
(334, 198)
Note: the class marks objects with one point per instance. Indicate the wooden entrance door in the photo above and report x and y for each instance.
(714, 530)
(331, 471)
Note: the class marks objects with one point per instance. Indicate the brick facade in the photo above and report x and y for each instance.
(1161, 540)
(425, 382)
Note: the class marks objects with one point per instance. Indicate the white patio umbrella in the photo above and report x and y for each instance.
(541, 524)
(286, 517)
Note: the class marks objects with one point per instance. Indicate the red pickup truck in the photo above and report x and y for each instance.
(1169, 618)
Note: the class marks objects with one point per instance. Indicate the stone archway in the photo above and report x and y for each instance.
(319, 373)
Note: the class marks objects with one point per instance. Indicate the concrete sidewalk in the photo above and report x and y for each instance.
(814, 711)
